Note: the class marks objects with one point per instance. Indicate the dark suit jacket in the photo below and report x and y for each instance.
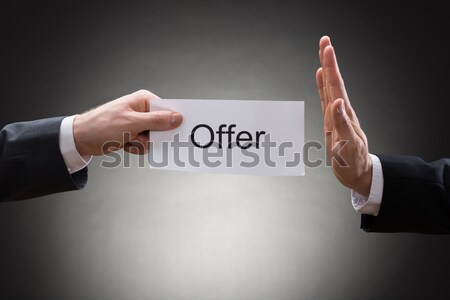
(31, 163)
(416, 196)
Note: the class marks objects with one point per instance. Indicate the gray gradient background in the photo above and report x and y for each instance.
(143, 234)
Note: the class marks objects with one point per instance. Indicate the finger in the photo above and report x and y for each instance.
(139, 145)
(333, 80)
(328, 142)
(323, 43)
(319, 82)
(158, 120)
(342, 122)
(140, 100)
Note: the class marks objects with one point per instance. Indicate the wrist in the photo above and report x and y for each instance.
(78, 136)
(364, 182)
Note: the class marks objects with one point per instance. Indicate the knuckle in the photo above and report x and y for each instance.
(361, 145)
(142, 94)
(160, 120)
(336, 83)
(348, 122)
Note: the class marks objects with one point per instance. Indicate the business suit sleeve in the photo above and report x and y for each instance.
(416, 197)
(31, 163)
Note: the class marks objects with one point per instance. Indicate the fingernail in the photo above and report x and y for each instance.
(176, 119)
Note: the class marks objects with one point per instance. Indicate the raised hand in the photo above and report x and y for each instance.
(343, 134)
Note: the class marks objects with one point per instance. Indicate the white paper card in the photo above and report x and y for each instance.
(231, 136)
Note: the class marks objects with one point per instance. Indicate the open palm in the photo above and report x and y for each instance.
(345, 141)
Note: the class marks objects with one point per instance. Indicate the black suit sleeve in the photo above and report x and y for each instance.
(31, 163)
(416, 197)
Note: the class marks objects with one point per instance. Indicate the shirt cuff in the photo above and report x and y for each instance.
(371, 205)
(74, 161)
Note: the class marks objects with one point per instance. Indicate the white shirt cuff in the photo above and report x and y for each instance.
(371, 205)
(74, 161)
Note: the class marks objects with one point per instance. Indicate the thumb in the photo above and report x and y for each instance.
(159, 120)
(341, 121)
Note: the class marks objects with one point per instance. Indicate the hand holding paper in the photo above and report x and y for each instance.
(125, 121)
